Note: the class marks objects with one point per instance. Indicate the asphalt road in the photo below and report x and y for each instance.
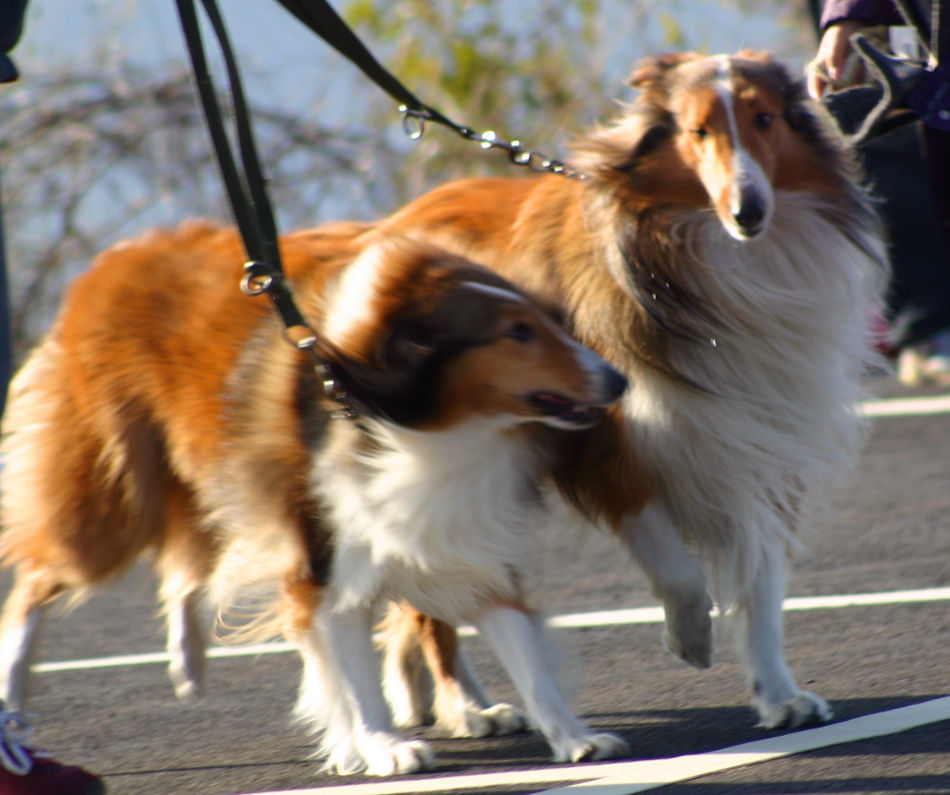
(892, 533)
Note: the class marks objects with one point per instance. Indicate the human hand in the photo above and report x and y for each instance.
(829, 60)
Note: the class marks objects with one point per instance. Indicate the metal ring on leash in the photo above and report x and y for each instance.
(413, 122)
(258, 278)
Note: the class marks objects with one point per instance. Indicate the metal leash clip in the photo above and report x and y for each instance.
(262, 277)
(413, 121)
(258, 278)
(333, 391)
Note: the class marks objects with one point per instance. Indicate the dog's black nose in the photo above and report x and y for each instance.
(751, 212)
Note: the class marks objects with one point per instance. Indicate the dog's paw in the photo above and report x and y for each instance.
(592, 748)
(804, 709)
(393, 758)
(188, 684)
(689, 631)
(497, 720)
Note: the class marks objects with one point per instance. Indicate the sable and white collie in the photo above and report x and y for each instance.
(721, 254)
(164, 414)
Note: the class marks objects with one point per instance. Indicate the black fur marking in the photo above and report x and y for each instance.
(652, 139)
(403, 382)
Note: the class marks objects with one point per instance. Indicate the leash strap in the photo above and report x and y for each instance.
(249, 202)
(319, 16)
(247, 192)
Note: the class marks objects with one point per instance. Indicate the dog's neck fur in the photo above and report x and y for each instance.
(434, 517)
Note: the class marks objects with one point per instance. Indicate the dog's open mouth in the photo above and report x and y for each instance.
(563, 409)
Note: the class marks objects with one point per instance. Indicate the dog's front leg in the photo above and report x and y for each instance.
(372, 738)
(516, 637)
(675, 579)
(776, 696)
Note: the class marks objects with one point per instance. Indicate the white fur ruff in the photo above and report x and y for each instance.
(414, 522)
(778, 426)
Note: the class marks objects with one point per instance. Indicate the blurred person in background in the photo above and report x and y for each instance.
(909, 172)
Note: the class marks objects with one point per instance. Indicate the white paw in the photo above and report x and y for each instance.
(801, 710)
(591, 748)
(409, 756)
(688, 632)
(188, 685)
(496, 721)
(381, 755)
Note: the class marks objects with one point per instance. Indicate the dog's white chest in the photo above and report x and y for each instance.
(441, 520)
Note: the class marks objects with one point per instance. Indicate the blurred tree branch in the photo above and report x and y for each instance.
(89, 158)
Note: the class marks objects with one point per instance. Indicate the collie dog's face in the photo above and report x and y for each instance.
(428, 341)
(516, 364)
(729, 129)
(723, 132)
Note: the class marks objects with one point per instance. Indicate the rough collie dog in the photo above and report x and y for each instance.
(165, 414)
(720, 253)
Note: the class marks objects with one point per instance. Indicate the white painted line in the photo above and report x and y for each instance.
(474, 782)
(654, 615)
(624, 778)
(653, 773)
(862, 599)
(907, 407)
(247, 650)
(600, 618)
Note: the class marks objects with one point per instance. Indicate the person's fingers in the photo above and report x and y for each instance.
(835, 46)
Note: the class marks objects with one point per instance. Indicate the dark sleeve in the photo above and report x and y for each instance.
(11, 26)
(873, 12)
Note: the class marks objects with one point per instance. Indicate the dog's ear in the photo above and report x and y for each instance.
(385, 384)
(650, 73)
(405, 353)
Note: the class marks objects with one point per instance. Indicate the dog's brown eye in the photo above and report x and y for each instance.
(699, 133)
(763, 121)
(522, 332)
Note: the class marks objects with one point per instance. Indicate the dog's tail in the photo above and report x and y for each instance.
(248, 588)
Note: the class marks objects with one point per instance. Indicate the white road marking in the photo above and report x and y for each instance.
(600, 618)
(907, 407)
(625, 778)
(634, 777)
(246, 650)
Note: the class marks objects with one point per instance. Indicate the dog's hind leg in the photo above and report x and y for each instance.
(19, 631)
(186, 643)
(446, 681)
(462, 706)
(675, 579)
(184, 563)
(407, 682)
(517, 638)
(775, 695)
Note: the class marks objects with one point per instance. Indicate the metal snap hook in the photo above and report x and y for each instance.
(258, 278)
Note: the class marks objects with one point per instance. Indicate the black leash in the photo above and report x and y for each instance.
(319, 16)
(247, 193)
(246, 186)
